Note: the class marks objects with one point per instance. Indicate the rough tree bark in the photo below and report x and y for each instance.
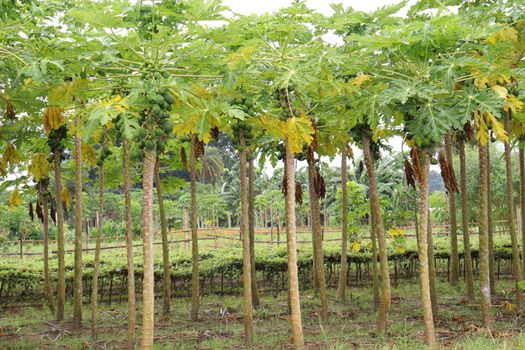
(430, 333)
(384, 309)
(516, 262)
(522, 203)
(484, 279)
(96, 263)
(432, 270)
(316, 231)
(132, 309)
(194, 238)
(166, 275)
(490, 228)
(77, 279)
(246, 261)
(148, 295)
(341, 288)
(251, 208)
(464, 222)
(454, 256)
(45, 223)
(291, 241)
(61, 284)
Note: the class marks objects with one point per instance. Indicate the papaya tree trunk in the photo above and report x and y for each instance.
(430, 333)
(516, 263)
(464, 222)
(61, 284)
(148, 295)
(384, 308)
(490, 228)
(96, 263)
(484, 278)
(132, 310)
(341, 288)
(166, 277)
(45, 223)
(375, 269)
(194, 238)
(246, 261)
(291, 242)
(77, 278)
(432, 270)
(454, 255)
(522, 204)
(313, 181)
(251, 210)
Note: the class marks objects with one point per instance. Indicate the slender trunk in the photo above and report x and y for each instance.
(430, 334)
(61, 285)
(375, 272)
(77, 280)
(291, 242)
(464, 221)
(166, 278)
(522, 204)
(246, 261)
(516, 263)
(45, 222)
(251, 211)
(148, 295)
(96, 263)
(194, 238)
(484, 281)
(316, 231)
(490, 228)
(454, 256)
(384, 308)
(132, 310)
(186, 226)
(432, 270)
(341, 289)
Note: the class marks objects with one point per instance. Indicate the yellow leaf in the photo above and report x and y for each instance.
(497, 127)
(500, 91)
(53, 118)
(513, 104)
(400, 249)
(89, 155)
(510, 307)
(482, 134)
(506, 34)
(358, 81)
(271, 124)
(66, 197)
(14, 199)
(298, 130)
(38, 167)
(10, 155)
(188, 126)
(355, 246)
(396, 232)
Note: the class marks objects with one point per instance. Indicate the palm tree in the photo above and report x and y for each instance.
(212, 166)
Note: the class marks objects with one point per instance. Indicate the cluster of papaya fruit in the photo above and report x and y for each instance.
(155, 121)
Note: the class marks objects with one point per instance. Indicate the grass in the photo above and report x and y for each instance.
(351, 324)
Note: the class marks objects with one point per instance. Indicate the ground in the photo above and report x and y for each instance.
(351, 324)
